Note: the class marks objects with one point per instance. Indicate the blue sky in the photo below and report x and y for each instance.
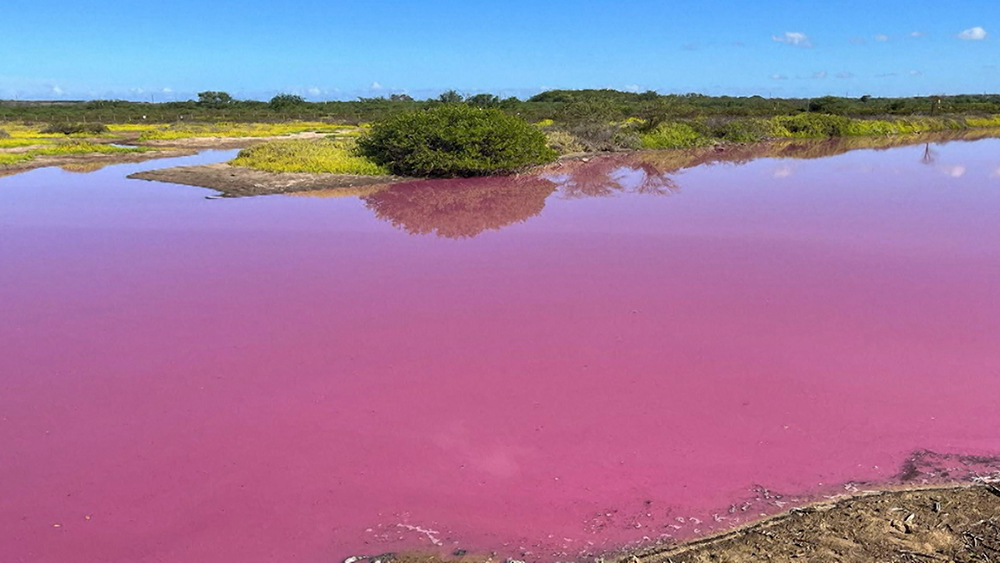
(134, 49)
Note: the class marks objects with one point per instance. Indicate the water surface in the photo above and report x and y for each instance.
(612, 352)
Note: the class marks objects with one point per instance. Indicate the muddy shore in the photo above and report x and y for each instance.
(233, 181)
(939, 523)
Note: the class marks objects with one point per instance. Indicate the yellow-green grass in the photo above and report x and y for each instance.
(18, 130)
(83, 147)
(9, 158)
(61, 149)
(185, 131)
(16, 142)
(324, 156)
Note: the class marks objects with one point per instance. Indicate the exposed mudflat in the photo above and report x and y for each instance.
(956, 523)
(238, 181)
(92, 161)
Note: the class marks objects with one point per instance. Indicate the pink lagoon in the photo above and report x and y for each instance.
(547, 367)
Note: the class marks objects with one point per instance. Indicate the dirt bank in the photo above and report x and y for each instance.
(91, 161)
(944, 523)
(238, 181)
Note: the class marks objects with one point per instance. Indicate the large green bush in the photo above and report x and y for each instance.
(455, 140)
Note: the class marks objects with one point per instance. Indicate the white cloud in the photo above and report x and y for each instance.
(632, 88)
(796, 38)
(58, 91)
(783, 172)
(314, 91)
(778, 77)
(995, 173)
(821, 74)
(375, 86)
(915, 73)
(168, 90)
(881, 37)
(955, 170)
(973, 34)
(917, 34)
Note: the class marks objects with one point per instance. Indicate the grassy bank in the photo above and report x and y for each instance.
(635, 133)
(323, 156)
(73, 148)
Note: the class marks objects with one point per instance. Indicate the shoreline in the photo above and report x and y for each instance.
(957, 521)
(237, 181)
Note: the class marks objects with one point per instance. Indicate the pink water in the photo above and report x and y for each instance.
(539, 373)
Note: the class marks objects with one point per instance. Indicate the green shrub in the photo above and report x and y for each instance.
(285, 101)
(812, 125)
(4, 134)
(749, 130)
(596, 136)
(76, 128)
(673, 135)
(563, 142)
(454, 140)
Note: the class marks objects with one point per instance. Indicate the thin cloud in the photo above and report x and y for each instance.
(845, 75)
(917, 34)
(858, 40)
(819, 75)
(796, 38)
(954, 170)
(881, 37)
(915, 73)
(778, 77)
(973, 34)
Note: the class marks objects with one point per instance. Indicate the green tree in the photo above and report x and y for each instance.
(483, 100)
(214, 99)
(285, 101)
(450, 97)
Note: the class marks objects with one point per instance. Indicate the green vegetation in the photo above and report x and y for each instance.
(64, 149)
(76, 128)
(229, 129)
(9, 158)
(329, 156)
(83, 147)
(673, 136)
(465, 135)
(559, 105)
(285, 102)
(455, 140)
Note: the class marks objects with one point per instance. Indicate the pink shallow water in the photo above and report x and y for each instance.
(303, 379)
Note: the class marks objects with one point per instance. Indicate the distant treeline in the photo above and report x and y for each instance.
(556, 105)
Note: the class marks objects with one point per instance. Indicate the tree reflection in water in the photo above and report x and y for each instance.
(461, 208)
(468, 207)
(614, 174)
